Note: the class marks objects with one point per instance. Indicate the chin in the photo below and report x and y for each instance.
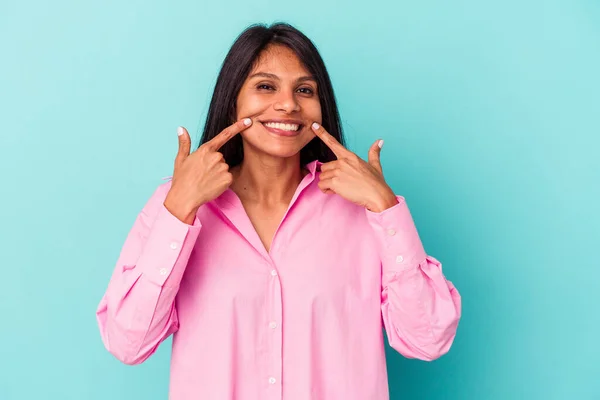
(275, 146)
(280, 150)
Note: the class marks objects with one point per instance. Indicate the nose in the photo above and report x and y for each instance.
(286, 101)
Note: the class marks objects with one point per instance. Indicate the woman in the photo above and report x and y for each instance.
(275, 255)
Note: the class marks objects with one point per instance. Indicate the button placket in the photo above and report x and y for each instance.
(275, 340)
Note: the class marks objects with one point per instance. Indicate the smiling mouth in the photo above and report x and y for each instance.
(282, 126)
(282, 129)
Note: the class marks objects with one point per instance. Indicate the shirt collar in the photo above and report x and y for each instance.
(313, 167)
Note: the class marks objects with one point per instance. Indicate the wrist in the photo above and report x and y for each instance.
(181, 210)
(383, 202)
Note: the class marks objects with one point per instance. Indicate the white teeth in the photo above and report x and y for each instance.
(285, 127)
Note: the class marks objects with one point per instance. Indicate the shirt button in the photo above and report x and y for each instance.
(391, 232)
(162, 271)
(272, 380)
(399, 259)
(173, 245)
(273, 325)
(273, 272)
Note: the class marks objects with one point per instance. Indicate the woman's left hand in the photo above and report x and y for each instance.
(354, 179)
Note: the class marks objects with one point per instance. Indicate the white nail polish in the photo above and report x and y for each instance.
(180, 131)
(315, 125)
(380, 144)
(247, 121)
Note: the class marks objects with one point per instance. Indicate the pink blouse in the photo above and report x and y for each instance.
(302, 321)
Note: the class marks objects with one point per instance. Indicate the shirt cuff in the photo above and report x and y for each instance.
(401, 246)
(168, 248)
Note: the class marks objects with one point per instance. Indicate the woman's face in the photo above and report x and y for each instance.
(281, 97)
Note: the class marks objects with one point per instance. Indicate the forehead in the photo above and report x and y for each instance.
(279, 60)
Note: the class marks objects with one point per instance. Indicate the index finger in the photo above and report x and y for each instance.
(329, 140)
(226, 134)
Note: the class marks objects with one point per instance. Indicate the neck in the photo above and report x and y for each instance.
(267, 180)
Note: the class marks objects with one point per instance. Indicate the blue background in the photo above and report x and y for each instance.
(490, 114)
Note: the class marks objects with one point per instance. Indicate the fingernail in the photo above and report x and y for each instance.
(380, 144)
(180, 131)
(315, 125)
(247, 121)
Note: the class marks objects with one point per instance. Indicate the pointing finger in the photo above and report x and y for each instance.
(329, 140)
(226, 134)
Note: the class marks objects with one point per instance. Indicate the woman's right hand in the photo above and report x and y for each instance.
(201, 176)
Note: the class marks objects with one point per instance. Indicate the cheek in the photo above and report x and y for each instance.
(312, 110)
(250, 105)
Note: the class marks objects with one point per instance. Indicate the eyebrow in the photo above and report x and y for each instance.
(275, 77)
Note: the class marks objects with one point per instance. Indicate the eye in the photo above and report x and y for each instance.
(264, 86)
(306, 90)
